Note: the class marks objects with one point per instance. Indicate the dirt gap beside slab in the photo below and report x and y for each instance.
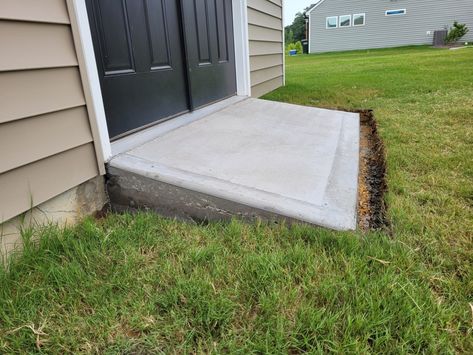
(372, 207)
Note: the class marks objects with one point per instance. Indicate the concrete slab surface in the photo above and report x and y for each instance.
(294, 161)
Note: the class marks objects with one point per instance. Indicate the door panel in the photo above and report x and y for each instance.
(208, 28)
(158, 35)
(117, 56)
(222, 31)
(138, 45)
(202, 31)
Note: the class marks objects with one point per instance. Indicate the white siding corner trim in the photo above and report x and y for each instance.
(242, 50)
(90, 80)
(283, 14)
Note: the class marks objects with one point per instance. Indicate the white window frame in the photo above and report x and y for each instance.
(395, 10)
(340, 21)
(360, 14)
(326, 23)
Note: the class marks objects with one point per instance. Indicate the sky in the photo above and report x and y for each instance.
(291, 7)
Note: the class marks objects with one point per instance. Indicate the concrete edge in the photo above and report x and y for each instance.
(343, 189)
(324, 216)
(348, 114)
(129, 191)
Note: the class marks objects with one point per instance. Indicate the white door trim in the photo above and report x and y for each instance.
(242, 47)
(90, 78)
(283, 17)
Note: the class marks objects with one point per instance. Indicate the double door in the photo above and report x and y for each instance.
(160, 58)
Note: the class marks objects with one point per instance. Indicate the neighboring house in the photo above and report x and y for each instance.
(77, 74)
(340, 25)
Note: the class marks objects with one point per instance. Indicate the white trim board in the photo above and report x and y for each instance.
(90, 80)
(242, 47)
(91, 83)
(283, 16)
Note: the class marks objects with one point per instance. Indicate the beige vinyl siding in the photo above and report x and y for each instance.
(35, 183)
(264, 61)
(260, 76)
(42, 46)
(49, 11)
(46, 142)
(265, 32)
(267, 86)
(29, 93)
(49, 134)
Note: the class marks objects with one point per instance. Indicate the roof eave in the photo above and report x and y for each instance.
(314, 7)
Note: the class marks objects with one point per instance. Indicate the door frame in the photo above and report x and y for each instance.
(81, 33)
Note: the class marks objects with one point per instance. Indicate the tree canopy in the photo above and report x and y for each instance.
(296, 31)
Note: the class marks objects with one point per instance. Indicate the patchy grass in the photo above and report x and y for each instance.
(144, 284)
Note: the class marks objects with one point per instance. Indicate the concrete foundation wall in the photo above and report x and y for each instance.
(64, 210)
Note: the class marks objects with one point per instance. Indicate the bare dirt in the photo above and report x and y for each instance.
(372, 206)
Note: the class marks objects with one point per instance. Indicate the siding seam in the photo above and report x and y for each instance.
(44, 113)
(9, 19)
(264, 13)
(266, 27)
(266, 80)
(39, 68)
(272, 66)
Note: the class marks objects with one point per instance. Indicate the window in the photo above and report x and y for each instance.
(332, 22)
(359, 19)
(345, 21)
(399, 12)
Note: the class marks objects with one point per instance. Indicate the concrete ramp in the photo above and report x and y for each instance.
(252, 159)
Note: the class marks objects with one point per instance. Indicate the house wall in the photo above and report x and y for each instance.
(382, 31)
(68, 208)
(265, 32)
(46, 142)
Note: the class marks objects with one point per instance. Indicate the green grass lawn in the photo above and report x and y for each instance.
(144, 284)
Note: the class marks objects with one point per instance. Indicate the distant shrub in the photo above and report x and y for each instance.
(297, 46)
(456, 32)
(290, 47)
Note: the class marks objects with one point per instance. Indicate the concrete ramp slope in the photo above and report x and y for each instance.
(252, 159)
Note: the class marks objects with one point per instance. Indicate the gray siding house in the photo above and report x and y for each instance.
(340, 25)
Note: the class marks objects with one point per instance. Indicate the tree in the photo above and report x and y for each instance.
(456, 32)
(290, 36)
(297, 27)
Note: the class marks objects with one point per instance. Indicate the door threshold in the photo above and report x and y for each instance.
(122, 145)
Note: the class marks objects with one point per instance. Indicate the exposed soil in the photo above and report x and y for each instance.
(372, 207)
